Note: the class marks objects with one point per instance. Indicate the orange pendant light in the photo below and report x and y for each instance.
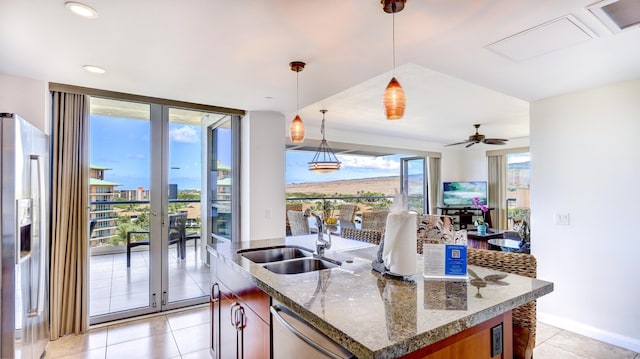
(394, 99)
(296, 129)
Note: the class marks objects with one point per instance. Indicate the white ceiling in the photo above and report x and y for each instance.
(236, 54)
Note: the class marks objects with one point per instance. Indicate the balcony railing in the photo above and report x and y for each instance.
(329, 204)
(133, 217)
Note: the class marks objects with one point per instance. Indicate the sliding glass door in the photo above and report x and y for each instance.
(123, 218)
(147, 178)
(185, 275)
(223, 173)
(413, 182)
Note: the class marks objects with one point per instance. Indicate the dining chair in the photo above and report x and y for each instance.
(375, 220)
(298, 222)
(364, 235)
(524, 316)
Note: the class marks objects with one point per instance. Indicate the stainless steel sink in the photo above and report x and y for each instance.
(300, 265)
(275, 254)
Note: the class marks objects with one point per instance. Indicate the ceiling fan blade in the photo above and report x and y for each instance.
(457, 143)
(495, 141)
(469, 145)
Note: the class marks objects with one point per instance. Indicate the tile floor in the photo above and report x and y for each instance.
(185, 334)
(179, 334)
(115, 287)
(552, 342)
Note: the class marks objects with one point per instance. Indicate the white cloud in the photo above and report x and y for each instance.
(368, 162)
(184, 134)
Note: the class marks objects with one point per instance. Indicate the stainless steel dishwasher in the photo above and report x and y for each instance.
(293, 337)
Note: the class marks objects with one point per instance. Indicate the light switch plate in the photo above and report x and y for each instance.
(561, 219)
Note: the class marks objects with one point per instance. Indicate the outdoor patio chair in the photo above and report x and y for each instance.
(92, 226)
(191, 236)
(177, 223)
(293, 207)
(347, 215)
(298, 222)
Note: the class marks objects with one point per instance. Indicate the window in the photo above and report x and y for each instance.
(518, 186)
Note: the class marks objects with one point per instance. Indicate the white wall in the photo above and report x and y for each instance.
(28, 98)
(262, 189)
(472, 163)
(586, 162)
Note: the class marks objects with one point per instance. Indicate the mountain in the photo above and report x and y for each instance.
(384, 185)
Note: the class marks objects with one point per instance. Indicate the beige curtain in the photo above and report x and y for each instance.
(435, 186)
(69, 214)
(497, 178)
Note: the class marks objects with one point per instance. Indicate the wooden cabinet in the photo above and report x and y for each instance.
(471, 343)
(464, 216)
(237, 331)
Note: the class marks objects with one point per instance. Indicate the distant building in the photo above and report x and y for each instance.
(139, 194)
(101, 191)
(223, 187)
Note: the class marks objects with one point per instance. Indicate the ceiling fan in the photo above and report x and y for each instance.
(478, 138)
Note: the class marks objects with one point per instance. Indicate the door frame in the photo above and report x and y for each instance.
(404, 179)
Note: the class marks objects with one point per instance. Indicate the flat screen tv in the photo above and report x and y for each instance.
(461, 194)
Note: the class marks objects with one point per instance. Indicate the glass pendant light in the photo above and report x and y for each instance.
(296, 129)
(325, 160)
(394, 99)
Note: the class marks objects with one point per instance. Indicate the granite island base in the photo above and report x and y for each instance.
(368, 314)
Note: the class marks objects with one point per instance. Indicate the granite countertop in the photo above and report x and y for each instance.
(376, 316)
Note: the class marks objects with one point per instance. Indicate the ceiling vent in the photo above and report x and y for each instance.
(617, 15)
(542, 39)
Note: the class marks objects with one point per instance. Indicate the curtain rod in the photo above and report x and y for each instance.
(53, 86)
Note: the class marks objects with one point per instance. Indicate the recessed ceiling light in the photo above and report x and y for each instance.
(94, 69)
(81, 9)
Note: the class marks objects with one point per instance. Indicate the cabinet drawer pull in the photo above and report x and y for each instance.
(215, 295)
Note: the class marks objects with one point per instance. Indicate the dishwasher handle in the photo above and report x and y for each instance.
(275, 311)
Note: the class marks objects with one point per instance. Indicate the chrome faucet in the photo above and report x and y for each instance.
(321, 243)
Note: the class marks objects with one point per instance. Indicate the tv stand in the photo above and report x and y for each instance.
(465, 215)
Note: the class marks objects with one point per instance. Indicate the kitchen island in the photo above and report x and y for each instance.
(375, 316)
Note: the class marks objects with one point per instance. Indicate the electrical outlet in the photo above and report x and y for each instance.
(496, 340)
(561, 219)
(267, 213)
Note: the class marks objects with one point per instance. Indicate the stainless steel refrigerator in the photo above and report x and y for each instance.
(24, 296)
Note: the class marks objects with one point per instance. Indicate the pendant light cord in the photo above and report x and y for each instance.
(393, 37)
(297, 93)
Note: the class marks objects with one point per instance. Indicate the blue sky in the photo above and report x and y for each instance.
(123, 145)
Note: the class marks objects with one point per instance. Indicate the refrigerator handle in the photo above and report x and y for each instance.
(34, 308)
